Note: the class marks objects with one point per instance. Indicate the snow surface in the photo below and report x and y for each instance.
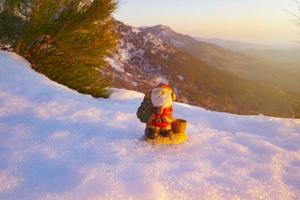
(58, 144)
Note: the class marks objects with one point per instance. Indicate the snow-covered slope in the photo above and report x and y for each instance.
(132, 65)
(58, 144)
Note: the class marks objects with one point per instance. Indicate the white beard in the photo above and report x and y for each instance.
(161, 100)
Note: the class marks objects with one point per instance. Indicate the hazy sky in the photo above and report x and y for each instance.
(260, 21)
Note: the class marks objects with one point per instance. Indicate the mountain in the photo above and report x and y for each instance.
(283, 58)
(235, 45)
(242, 65)
(276, 67)
(56, 143)
(147, 56)
(285, 62)
(132, 63)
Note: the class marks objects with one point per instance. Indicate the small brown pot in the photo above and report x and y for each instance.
(179, 126)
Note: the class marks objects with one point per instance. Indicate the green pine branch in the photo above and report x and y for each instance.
(67, 40)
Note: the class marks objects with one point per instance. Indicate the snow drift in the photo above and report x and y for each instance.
(58, 144)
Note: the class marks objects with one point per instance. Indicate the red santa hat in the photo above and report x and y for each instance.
(166, 86)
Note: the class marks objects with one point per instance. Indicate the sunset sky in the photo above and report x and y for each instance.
(259, 21)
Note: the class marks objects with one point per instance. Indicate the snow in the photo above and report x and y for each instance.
(180, 77)
(135, 30)
(114, 63)
(160, 79)
(58, 144)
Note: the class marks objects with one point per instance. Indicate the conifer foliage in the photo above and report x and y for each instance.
(67, 40)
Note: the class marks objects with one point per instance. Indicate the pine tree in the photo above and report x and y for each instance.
(67, 40)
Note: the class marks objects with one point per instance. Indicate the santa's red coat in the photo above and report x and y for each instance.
(157, 119)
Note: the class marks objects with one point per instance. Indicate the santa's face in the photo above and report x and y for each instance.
(161, 97)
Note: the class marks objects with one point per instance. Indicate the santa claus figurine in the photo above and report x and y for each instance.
(161, 119)
(157, 113)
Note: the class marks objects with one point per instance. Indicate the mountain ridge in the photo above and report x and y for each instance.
(150, 59)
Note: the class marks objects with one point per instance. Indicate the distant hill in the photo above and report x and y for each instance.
(279, 68)
(285, 62)
(235, 45)
(146, 57)
(238, 63)
(284, 58)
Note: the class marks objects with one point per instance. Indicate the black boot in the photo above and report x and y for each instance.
(167, 133)
(151, 133)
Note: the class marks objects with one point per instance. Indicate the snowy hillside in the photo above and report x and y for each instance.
(132, 65)
(58, 144)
